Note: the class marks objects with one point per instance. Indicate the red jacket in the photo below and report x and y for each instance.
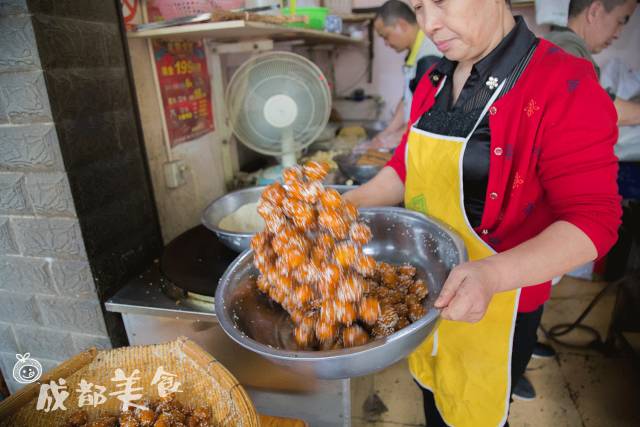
(552, 138)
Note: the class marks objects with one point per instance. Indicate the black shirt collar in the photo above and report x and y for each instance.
(501, 60)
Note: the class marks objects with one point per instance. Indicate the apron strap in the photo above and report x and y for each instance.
(493, 98)
(441, 86)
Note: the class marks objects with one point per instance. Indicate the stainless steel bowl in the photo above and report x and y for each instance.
(348, 165)
(230, 203)
(399, 236)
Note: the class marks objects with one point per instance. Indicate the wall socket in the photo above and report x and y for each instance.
(175, 173)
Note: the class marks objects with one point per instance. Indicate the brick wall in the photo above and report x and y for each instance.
(77, 216)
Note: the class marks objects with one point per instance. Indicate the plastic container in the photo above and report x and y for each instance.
(274, 6)
(316, 15)
(171, 9)
(333, 24)
(228, 4)
(305, 3)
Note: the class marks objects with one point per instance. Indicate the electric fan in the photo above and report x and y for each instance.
(278, 103)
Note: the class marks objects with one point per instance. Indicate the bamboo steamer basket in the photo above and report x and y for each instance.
(204, 382)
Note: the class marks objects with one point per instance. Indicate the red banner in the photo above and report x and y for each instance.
(185, 87)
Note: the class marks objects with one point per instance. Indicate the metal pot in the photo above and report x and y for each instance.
(348, 165)
(230, 203)
(399, 236)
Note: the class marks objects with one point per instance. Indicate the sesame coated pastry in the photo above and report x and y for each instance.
(311, 262)
(354, 336)
(165, 412)
(77, 419)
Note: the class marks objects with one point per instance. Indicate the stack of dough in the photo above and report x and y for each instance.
(243, 220)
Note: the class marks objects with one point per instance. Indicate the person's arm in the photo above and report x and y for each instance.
(387, 187)
(577, 170)
(391, 135)
(397, 121)
(384, 189)
(561, 247)
(628, 112)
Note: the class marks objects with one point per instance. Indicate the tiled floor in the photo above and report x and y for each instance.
(580, 388)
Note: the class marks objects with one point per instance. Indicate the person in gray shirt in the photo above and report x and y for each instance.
(593, 25)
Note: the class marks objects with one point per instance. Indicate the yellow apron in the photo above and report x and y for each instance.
(467, 366)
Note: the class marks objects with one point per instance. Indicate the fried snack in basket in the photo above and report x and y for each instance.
(167, 412)
(311, 262)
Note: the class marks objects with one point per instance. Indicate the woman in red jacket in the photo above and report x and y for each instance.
(511, 144)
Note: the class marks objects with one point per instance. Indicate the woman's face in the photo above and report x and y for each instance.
(462, 30)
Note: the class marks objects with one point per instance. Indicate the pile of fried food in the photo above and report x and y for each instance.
(311, 262)
(167, 412)
(373, 157)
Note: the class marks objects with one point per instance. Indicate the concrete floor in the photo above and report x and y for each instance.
(579, 388)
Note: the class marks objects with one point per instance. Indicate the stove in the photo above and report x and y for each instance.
(191, 266)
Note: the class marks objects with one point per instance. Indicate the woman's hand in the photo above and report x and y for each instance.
(386, 140)
(467, 291)
(378, 141)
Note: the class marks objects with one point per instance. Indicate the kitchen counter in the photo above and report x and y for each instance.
(144, 296)
(152, 317)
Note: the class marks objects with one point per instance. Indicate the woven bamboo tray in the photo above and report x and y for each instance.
(204, 382)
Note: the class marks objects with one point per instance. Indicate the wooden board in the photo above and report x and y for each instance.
(239, 30)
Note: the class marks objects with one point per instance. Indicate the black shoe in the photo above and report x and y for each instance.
(523, 390)
(543, 351)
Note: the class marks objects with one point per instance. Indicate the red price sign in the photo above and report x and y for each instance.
(185, 87)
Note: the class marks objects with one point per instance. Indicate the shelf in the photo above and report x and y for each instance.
(357, 17)
(236, 31)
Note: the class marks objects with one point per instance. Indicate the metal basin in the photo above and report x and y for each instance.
(399, 236)
(348, 165)
(230, 203)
